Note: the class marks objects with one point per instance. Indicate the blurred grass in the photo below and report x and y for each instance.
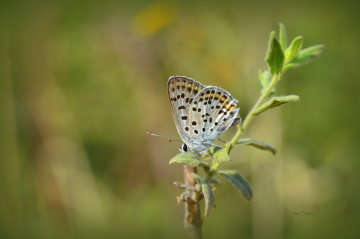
(82, 81)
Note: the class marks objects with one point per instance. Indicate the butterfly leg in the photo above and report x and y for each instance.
(218, 145)
(221, 140)
(196, 154)
(207, 155)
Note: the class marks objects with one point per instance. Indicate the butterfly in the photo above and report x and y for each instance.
(201, 113)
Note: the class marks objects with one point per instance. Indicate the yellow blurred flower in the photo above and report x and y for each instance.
(154, 18)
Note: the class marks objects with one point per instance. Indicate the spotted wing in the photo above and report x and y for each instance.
(212, 112)
(181, 91)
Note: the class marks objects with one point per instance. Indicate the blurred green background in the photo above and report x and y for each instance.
(82, 81)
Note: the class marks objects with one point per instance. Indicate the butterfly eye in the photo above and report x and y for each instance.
(184, 147)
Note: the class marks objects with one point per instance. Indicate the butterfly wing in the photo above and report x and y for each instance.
(182, 91)
(212, 112)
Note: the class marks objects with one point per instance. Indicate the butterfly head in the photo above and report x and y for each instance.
(184, 148)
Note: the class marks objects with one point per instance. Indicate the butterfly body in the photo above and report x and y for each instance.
(201, 113)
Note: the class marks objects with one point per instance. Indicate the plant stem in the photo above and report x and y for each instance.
(250, 116)
(192, 219)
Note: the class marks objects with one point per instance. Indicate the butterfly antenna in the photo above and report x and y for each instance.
(169, 138)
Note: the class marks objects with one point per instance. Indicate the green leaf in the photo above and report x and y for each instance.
(214, 181)
(255, 143)
(274, 56)
(282, 36)
(238, 181)
(293, 50)
(197, 178)
(275, 101)
(265, 78)
(209, 198)
(305, 56)
(184, 186)
(187, 159)
(222, 154)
